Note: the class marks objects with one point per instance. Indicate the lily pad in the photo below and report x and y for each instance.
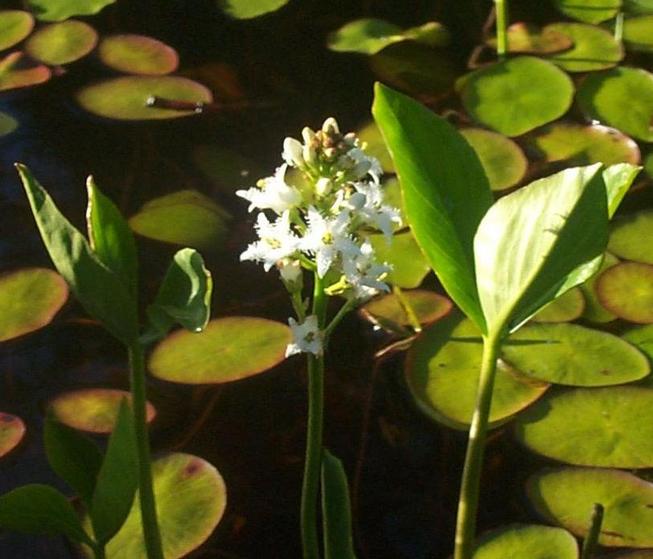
(643, 554)
(637, 33)
(427, 306)
(583, 145)
(15, 25)
(191, 497)
(12, 431)
(574, 355)
(641, 337)
(7, 124)
(62, 43)
(621, 97)
(409, 266)
(227, 349)
(642, 7)
(627, 291)
(370, 135)
(589, 11)
(29, 300)
(17, 70)
(125, 98)
(526, 540)
(503, 160)
(567, 496)
(648, 164)
(58, 10)
(371, 35)
(442, 372)
(526, 38)
(594, 310)
(631, 236)
(608, 427)
(516, 95)
(248, 9)
(93, 410)
(569, 306)
(187, 218)
(138, 54)
(594, 48)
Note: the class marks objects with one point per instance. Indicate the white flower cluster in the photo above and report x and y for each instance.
(325, 195)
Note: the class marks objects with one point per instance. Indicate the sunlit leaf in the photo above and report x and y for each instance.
(62, 43)
(627, 291)
(526, 540)
(594, 311)
(630, 237)
(409, 266)
(568, 306)
(593, 49)
(15, 25)
(530, 39)
(58, 10)
(247, 9)
(336, 510)
(637, 33)
(589, 11)
(138, 54)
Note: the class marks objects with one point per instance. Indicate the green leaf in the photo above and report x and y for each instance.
(40, 509)
(74, 458)
(138, 54)
(184, 296)
(565, 308)
(626, 290)
(593, 48)
(630, 237)
(62, 43)
(98, 289)
(589, 11)
(17, 70)
(523, 541)
(117, 480)
(444, 203)
(618, 179)
(58, 10)
(336, 510)
(637, 33)
(15, 25)
(248, 9)
(110, 237)
(531, 241)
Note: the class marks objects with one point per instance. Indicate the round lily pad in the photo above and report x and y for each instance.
(529, 39)
(375, 146)
(574, 355)
(7, 124)
(630, 237)
(187, 218)
(609, 427)
(62, 43)
(427, 306)
(442, 371)
(642, 338)
(594, 310)
(92, 409)
(227, 349)
(503, 160)
(627, 291)
(29, 299)
(621, 97)
(589, 11)
(517, 95)
(637, 33)
(58, 10)
(526, 540)
(593, 49)
(17, 70)
(567, 496)
(583, 145)
(569, 306)
(409, 265)
(125, 98)
(15, 25)
(138, 54)
(12, 431)
(191, 497)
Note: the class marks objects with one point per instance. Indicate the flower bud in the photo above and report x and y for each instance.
(307, 135)
(323, 186)
(309, 155)
(330, 126)
(292, 152)
(291, 274)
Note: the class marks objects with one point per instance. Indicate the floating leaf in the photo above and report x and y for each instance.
(442, 372)
(15, 25)
(248, 9)
(567, 496)
(573, 355)
(62, 43)
(516, 95)
(526, 540)
(621, 97)
(409, 266)
(589, 11)
(336, 510)
(643, 554)
(228, 349)
(627, 291)
(228, 169)
(12, 431)
(503, 160)
(427, 306)
(569, 306)
(125, 98)
(91, 409)
(639, 6)
(605, 427)
(637, 33)
(593, 49)
(58, 10)
(371, 136)
(29, 300)
(138, 54)
(17, 70)
(530, 39)
(641, 337)
(594, 310)
(7, 124)
(630, 237)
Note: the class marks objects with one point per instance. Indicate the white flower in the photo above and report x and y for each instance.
(368, 162)
(272, 193)
(364, 273)
(292, 152)
(277, 241)
(306, 337)
(290, 271)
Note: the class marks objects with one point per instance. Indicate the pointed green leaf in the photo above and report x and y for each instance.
(336, 510)
(445, 190)
(96, 287)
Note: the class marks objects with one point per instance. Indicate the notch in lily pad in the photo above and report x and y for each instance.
(138, 54)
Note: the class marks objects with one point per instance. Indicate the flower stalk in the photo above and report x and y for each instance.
(501, 7)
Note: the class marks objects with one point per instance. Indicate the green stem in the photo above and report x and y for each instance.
(592, 538)
(501, 7)
(342, 312)
(145, 490)
(469, 489)
(98, 551)
(619, 27)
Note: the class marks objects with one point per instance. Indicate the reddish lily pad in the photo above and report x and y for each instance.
(138, 54)
(59, 10)
(526, 541)
(427, 306)
(594, 310)
(17, 70)
(569, 306)
(92, 409)
(638, 33)
(227, 349)
(589, 11)
(594, 48)
(15, 25)
(627, 291)
(630, 237)
(29, 300)
(12, 431)
(526, 38)
(126, 98)
(62, 43)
